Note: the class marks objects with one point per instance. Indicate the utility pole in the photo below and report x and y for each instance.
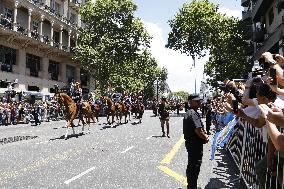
(193, 58)
(157, 89)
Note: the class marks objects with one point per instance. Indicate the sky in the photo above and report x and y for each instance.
(155, 15)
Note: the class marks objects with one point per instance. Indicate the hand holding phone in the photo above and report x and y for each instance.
(272, 74)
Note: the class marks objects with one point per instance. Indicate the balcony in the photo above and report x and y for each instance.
(75, 4)
(246, 15)
(245, 3)
(280, 4)
(6, 22)
(248, 32)
(259, 9)
(271, 42)
(258, 35)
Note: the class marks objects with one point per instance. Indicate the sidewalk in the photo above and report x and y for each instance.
(219, 173)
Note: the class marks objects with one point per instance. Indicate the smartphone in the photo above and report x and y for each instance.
(272, 74)
(235, 106)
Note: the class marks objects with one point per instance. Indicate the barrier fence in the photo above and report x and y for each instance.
(247, 146)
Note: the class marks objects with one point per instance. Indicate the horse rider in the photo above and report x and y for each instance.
(116, 97)
(127, 100)
(72, 86)
(77, 97)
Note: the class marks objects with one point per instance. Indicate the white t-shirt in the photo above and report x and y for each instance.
(279, 101)
(254, 112)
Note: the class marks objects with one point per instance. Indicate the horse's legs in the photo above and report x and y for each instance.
(82, 118)
(71, 124)
(67, 126)
(112, 118)
(89, 122)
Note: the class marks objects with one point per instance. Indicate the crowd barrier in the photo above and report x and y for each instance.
(247, 146)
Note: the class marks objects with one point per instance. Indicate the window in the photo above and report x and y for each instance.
(8, 13)
(70, 73)
(57, 7)
(52, 5)
(53, 69)
(84, 77)
(271, 16)
(7, 58)
(72, 18)
(35, 25)
(33, 63)
(56, 36)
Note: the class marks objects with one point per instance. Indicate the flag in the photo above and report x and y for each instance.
(222, 137)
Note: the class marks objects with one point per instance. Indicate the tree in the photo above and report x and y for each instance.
(114, 44)
(198, 27)
(183, 95)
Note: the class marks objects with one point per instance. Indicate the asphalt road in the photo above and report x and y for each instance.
(125, 156)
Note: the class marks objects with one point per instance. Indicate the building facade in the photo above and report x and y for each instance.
(265, 28)
(37, 38)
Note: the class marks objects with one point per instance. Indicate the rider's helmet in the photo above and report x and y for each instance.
(140, 98)
(164, 98)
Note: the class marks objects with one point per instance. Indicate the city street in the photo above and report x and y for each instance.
(127, 156)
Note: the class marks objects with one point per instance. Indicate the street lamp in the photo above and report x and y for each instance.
(157, 87)
(193, 58)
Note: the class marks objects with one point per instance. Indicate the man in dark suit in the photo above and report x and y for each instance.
(195, 136)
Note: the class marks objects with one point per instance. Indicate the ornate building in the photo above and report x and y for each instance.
(37, 38)
(265, 28)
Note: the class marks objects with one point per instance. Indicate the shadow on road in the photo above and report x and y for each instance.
(160, 136)
(225, 173)
(68, 137)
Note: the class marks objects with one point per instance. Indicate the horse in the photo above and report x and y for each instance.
(124, 110)
(96, 111)
(71, 111)
(140, 108)
(110, 110)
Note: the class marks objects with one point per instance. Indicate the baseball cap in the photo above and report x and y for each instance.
(194, 97)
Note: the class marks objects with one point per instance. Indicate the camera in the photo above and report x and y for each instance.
(258, 73)
(265, 65)
(272, 73)
(234, 91)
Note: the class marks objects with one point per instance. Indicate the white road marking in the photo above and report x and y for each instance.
(78, 176)
(42, 142)
(127, 149)
(149, 137)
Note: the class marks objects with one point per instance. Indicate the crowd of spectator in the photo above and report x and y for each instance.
(12, 113)
(258, 101)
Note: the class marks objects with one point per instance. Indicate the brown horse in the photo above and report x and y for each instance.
(71, 111)
(95, 111)
(125, 111)
(113, 110)
(140, 110)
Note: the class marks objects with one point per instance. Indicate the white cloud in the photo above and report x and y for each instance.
(180, 75)
(230, 12)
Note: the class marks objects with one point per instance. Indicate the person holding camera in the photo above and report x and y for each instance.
(274, 62)
(164, 116)
(252, 114)
(195, 136)
(274, 118)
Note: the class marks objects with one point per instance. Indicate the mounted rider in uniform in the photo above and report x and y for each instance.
(77, 97)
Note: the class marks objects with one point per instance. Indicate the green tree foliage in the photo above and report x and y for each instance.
(198, 28)
(183, 95)
(114, 45)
